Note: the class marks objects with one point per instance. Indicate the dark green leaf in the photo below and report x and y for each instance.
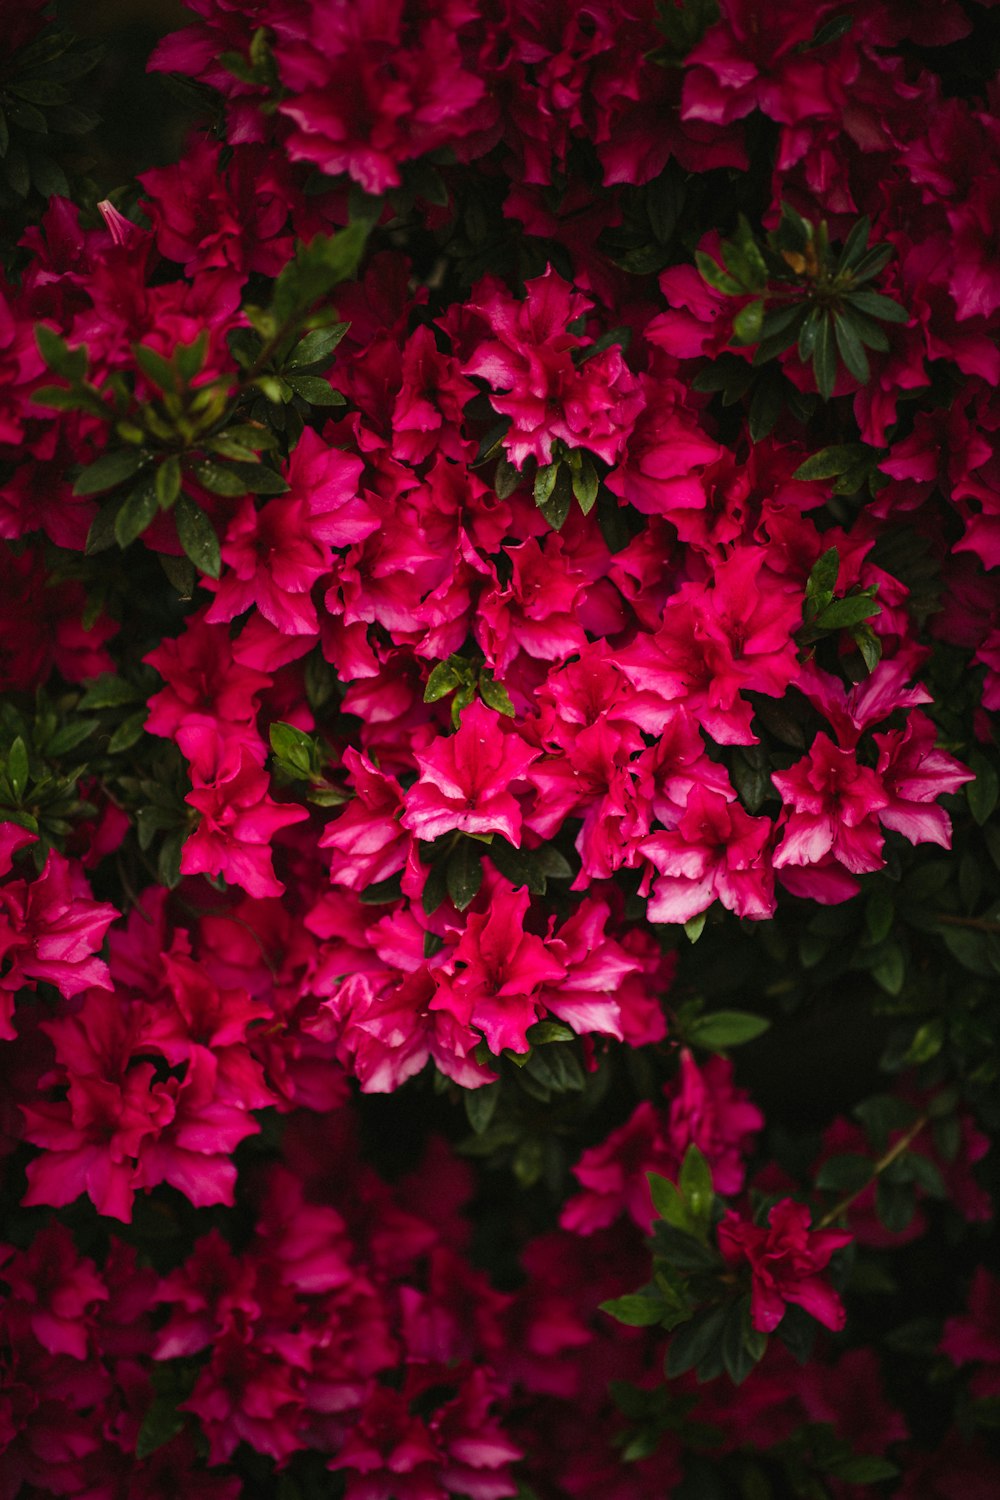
(108, 691)
(161, 1423)
(890, 970)
(852, 350)
(316, 347)
(17, 171)
(136, 512)
(809, 333)
(101, 535)
(824, 359)
(855, 245)
(481, 1106)
(382, 892)
(71, 364)
(464, 874)
(127, 733)
(982, 794)
(876, 259)
(865, 1468)
(585, 485)
(109, 470)
(740, 1350)
(316, 269)
(168, 481)
(693, 1341)
(696, 1185)
(878, 306)
(545, 482)
(196, 535)
(726, 1028)
(315, 390)
(823, 578)
(844, 1174)
(157, 370)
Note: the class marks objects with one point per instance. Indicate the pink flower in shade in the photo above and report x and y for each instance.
(41, 626)
(390, 1034)
(537, 611)
(754, 58)
(203, 680)
(973, 1337)
(372, 85)
(367, 841)
(429, 409)
(13, 838)
(717, 852)
(785, 1259)
(835, 804)
(914, 773)
(499, 969)
(707, 1110)
(248, 1392)
(547, 396)
(238, 818)
(666, 454)
(93, 1137)
(192, 1149)
(231, 218)
(50, 930)
(465, 779)
(58, 1289)
(704, 1109)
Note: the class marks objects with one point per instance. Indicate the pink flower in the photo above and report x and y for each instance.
(914, 773)
(465, 779)
(591, 405)
(58, 1289)
(716, 852)
(368, 843)
(835, 804)
(374, 85)
(50, 930)
(499, 969)
(785, 1260)
(238, 818)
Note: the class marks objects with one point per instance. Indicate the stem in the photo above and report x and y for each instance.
(894, 1152)
(981, 924)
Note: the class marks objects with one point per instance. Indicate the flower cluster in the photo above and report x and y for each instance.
(499, 568)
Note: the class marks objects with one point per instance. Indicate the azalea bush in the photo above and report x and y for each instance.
(499, 886)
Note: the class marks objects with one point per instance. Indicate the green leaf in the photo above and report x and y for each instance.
(157, 370)
(444, 679)
(855, 245)
(824, 360)
(109, 691)
(545, 482)
(464, 874)
(585, 485)
(829, 462)
(161, 1423)
(841, 614)
(295, 749)
(316, 347)
(696, 1184)
(196, 535)
(168, 481)
(809, 332)
(927, 1042)
(316, 269)
(721, 1029)
(878, 306)
(695, 926)
(748, 323)
(634, 1309)
(481, 1106)
(890, 970)
(555, 508)
(864, 1468)
(71, 364)
(715, 276)
(742, 1347)
(852, 350)
(870, 264)
(668, 1201)
(822, 579)
(17, 767)
(495, 695)
(128, 732)
(869, 645)
(982, 794)
(220, 479)
(136, 512)
(694, 1341)
(101, 535)
(109, 470)
(316, 390)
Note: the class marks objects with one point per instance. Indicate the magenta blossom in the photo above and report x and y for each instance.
(785, 1260)
(466, 779)
(717, 852)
